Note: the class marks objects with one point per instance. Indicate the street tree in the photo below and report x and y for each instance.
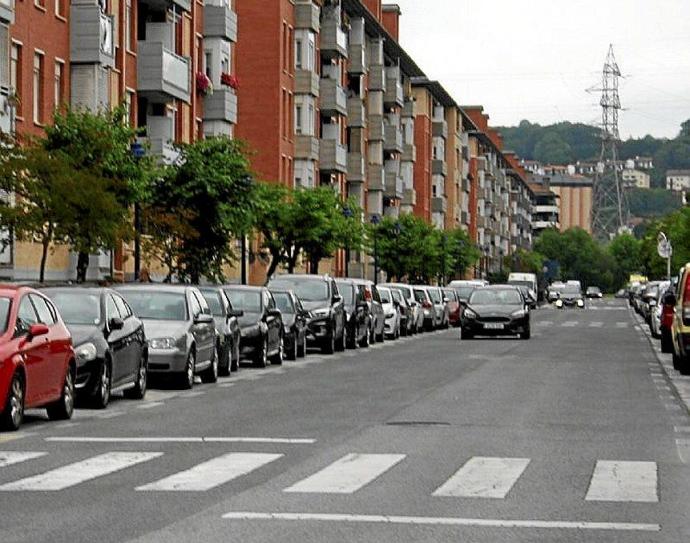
(626, 252)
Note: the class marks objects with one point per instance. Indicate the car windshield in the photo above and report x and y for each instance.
(78, 307)
(308, 290)
(569, 289)
(420, 295)
(284, 302)
(213, 299)
(157, 305)
(496, 297)
(464, 292)
(397, 295)
(347, 291)
(245, 300)
(5, 304)
(593, 290)
(435, 295)
(450, 294)
(385, 295)
(528, 284)
(406, 292)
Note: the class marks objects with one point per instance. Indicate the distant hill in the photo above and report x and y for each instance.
(566, 142)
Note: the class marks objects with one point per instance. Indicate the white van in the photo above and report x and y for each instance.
(528, 280)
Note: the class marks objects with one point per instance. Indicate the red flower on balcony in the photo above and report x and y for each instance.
(203, 84)
(229, 80)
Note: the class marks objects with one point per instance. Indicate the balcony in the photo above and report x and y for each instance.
(394, 185)
(91, 35)
(161, 74)
(306, 147)
(221, 106)
(408, 109)
(89, 86)
(409, 197)
(542, 225)
(376, 130)
(358, 63)
(439, 167)
(307, 82)
(333, 37)
(7, 12)
(394, 89)
(220, 21)
(356, 172)
(356, 113)
(160, 133)
(332, 156)
(376, 177)
(377, 78)
(393, 141)
(547, 209)
(6, 112)
(439, 128)
(333, 97)
(409, 153)
(307, 15)
(439, 204)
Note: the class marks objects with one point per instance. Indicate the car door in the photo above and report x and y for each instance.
(117, 340)
(338, 309)
(205, 332)
(40, 377)
(133, 331)
(377, 307)
(273, 322)
(55, 345)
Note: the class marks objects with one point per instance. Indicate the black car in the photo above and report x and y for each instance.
(295, 319)
(109, 343)
(227, 328)
(357, 312)
(528, 296)
(594, 292)
(496, 310)
(570, 296)
(320, 296)
(261, 325)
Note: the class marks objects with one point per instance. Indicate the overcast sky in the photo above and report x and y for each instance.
(534, 59)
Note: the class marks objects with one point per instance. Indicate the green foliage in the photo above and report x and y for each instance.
(525, 262)
(626, 252)
(676, 226)
(649, 203)
(552, 149)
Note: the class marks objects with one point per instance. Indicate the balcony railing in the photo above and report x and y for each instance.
(440, 128)
(333, 37)
(376, 131)
(220, 21)
(408, 109)
(307, 16)
(7, 11)
(356, 112)
(376, 177)
(377, 78)
(394, 89)
(409, 197)
(409, 153)
(160, 133)
(332, 156)
(333, 97)
(306, 147)
(91, 35)
(393, 141)
(394, 185)
(439, 204)
(307, 82)
(161, 74)
(439, 167)
(221, 106)
(358, 64)
(356, 170)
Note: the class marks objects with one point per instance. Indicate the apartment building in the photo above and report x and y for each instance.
(521, 200)
(633, 178)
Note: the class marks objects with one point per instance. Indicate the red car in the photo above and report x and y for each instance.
(453, 304)
(37, 362)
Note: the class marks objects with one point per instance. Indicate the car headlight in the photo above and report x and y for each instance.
(163, 343)
(469, 314)
(86, 352)
(320, 313)
(580, 303)
(518, 314)
(559, 303)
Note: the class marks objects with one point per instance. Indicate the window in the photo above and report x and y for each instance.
(4, 55)
(122, 306)
(26, 316)
(59, 7)
(196, 306)
(298, 54)
(16, 73)
(111, 310)
(40, 4)
(38, 88)
(59, 94)
(298, 119)
(45, 315)
(128, 25)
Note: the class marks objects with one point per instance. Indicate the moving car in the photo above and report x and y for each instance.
(463, 288)
(109, 342)
(357, 313)
(180, 331)
(421, 295)
(319, 295)
(37, 361)
(529, 295)
(391, 313)
(570, 296)
(528, 280)
(261, 325)
(417, 316)
(227, 323)
(594, 292)
(373, 299)
(453, 305)
(553, 291)
(496, 310)
(295, 319)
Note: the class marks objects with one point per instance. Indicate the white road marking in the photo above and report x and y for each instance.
(545, 323)
(614, 481)
(445, 521)
(226, 385)
(110, 415)
(150, 405)
(79, 472)
(622, 324)
(193, 394)
(681, 429)
(347, 475)
(213, 473)
(596, 324)
(182, 439)
(570, 324)
(7, 458)
(484, 477)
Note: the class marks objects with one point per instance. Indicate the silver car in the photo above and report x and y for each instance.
(421, 295)
(417, 315)
(442, 314)
(180, 330)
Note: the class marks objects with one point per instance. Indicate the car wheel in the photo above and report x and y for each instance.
(526, 334)
(364, 342)
(466, 334)
(186, 378)
(302, 351)
(224, 366)
(210, 375)
(235, 359)
(261, 354)
(291, 353)
(341, 342)
(277, 358)
(101, 395)
(64, 407)
(13, 413)
(329, 343)
(138, 391)
(666, 345)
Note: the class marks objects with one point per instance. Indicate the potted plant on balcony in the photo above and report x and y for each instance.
(229, 80)
(203, 84)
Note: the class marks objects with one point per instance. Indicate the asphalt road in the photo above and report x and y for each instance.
(574, 435)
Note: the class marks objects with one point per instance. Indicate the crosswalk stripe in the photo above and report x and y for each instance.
(484, 477)
(545, 323)
(347, 475)
(614, 481)
(570, 324)
(7, 458)
(79, 472)
(596, 324)
(622, 325)
(212, 473)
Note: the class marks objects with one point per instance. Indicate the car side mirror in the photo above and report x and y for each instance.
(337, 299)
(38, 329)
(116, 323)
(203, 318)
(236, 313)
(446, 300)
(275, 312)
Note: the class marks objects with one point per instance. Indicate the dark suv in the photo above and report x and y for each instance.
(320, 296)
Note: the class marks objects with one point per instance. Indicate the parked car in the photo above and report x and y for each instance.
(649, 300)
(180, 331)
(371, 293)
(320, 296)
(295, 319)
(422, 297)
(553, 291)
(440, 307)
(594, 292)
(657, 309)
(391, 313)
(261, 325)
(417, 315)
(570, 296)
(357, 313)
(621, 293)
(226, 319)
(666, 324)
(496, 310)
(453, 305)
(37, 361)
(680, 329)
(109, 343)
(406, 315)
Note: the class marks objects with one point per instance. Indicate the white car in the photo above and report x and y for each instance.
(391, 312)
(417, 314)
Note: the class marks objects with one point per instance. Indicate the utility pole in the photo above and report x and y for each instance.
(609, 201)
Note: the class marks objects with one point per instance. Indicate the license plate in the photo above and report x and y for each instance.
(493, 326)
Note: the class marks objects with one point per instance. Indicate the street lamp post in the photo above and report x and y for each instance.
(347, 213)
(443, 258)
(398, 229)
(138, 152)
(375, 220)
(500, 260)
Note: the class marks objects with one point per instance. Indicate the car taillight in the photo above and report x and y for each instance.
(367, 295)
(427, 304)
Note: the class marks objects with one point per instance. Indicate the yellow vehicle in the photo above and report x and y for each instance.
(680, 329)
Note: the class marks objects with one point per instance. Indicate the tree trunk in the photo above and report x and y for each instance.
(45, 245)
(82, 266)
(275, 261)
(314, 266)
